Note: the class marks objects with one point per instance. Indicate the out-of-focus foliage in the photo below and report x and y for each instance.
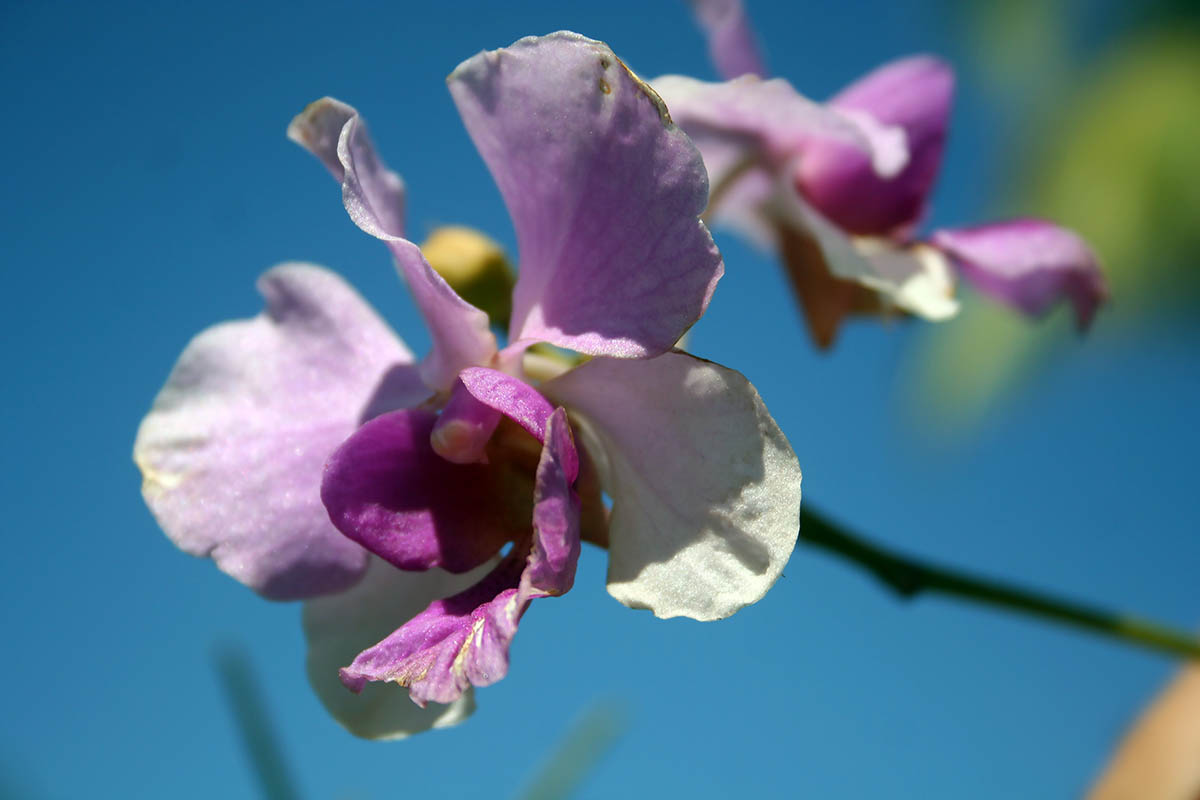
(1113, 153)
(255, 726)
(1123, 167)
(589, 740)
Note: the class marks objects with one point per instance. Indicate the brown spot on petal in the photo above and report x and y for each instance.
(604, 87)
(663, 114)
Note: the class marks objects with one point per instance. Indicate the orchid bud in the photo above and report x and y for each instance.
(475, 266)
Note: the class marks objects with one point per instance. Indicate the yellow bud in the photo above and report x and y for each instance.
(475, 267)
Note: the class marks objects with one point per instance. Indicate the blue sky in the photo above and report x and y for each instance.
(149, 182)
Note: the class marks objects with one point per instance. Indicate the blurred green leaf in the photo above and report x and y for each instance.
(1119, 162)
(589, 740)
(1020, 44)
(1122, 166)
(254, 722)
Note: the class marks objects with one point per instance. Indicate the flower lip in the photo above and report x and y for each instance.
(421, 492)
(463, 640)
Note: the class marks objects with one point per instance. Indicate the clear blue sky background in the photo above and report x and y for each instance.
(148, 182)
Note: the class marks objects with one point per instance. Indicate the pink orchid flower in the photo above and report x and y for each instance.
(839, 189)
(419, 507)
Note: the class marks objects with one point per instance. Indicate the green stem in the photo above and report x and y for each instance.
(254, 723)
(909, 577)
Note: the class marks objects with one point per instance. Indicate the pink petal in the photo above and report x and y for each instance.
(233, 449)
(387, 489)
(476, 403)
(604, 192)
(550, 570)
(374, 195)
(772, 122)
(374, 199)
(338, 627)
(513, 397)
(1029, 264)
(752, 134)
(913, 93)
(732, 45)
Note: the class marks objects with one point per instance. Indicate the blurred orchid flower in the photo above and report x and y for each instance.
(839, 189)
(313, 458)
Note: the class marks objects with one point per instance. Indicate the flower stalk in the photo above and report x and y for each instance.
(909, 577)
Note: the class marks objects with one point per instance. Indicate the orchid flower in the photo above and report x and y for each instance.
(839, 189)
(419, 507)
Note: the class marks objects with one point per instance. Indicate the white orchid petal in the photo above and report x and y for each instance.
(705, 488)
